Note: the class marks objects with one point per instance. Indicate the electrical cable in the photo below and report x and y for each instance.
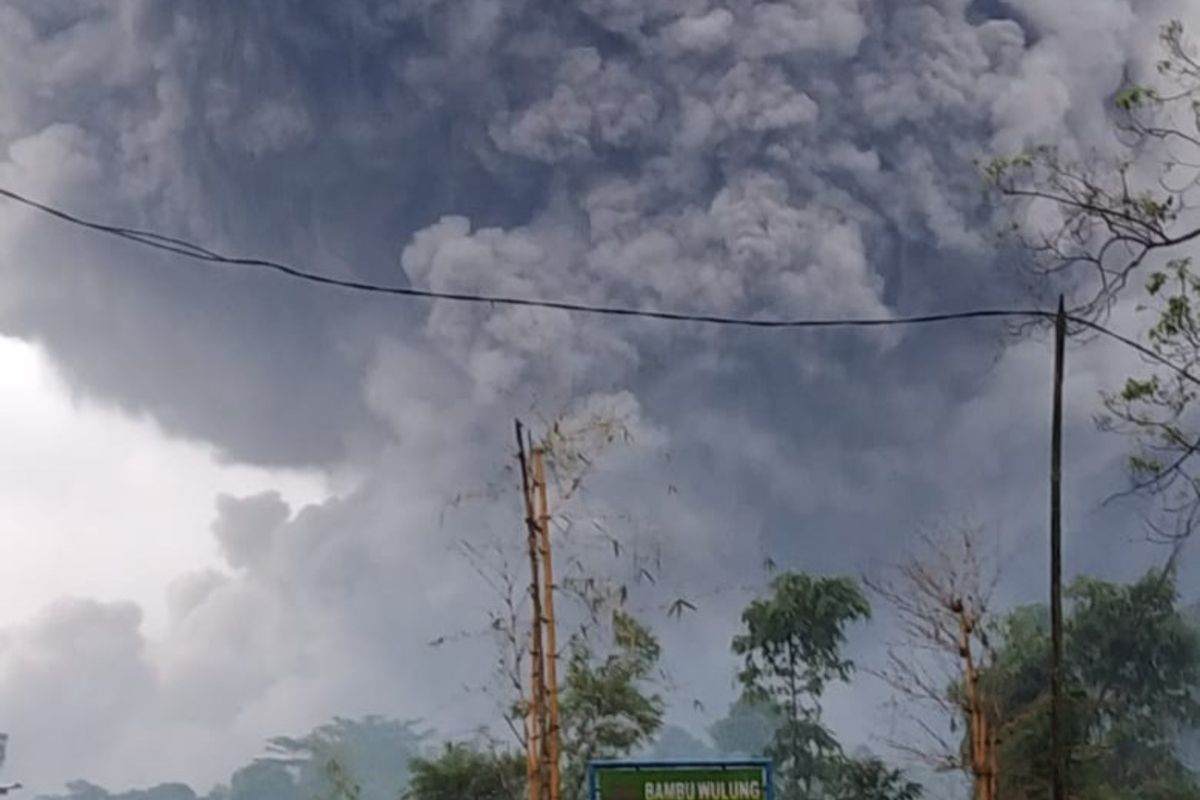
(194, 251)
(186, 249)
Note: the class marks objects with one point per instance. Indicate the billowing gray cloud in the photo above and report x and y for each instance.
(786, 158)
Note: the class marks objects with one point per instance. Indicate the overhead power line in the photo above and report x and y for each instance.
(197, 252)
(191, 250)
(1141, 348)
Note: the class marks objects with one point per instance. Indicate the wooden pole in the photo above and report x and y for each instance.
(553, 732)
(1057, 738)
(535, 722)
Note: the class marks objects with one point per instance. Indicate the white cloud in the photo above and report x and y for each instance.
(101, 505)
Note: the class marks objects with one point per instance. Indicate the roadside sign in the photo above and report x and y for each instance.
(680, 780)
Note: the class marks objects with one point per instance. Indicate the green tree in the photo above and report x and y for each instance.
(791, 649)
(83, 790)
(364, 759)
(464, 772)
(1094, 224)
(1133, 680)
(747, 730)
(868, 778)
(606, 671)
(264, 781)
(608, 707)
(342, 784)
(345, 759)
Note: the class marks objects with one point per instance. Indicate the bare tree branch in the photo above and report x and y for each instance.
(941, 599)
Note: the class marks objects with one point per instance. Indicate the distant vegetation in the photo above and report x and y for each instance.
(1133, 679)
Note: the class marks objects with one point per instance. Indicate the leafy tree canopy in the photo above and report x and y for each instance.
(791, 649)
(1133, 687)
(608, 706)
(463, 771)
(748, 729)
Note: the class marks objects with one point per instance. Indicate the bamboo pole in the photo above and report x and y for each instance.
(535, 720)
(553, 736)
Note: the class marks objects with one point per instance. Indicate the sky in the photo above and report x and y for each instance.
(233, 503)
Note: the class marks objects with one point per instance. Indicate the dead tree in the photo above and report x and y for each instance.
(940, 597)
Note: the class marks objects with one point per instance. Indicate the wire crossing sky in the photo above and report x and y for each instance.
(191, 250)
(186, 249)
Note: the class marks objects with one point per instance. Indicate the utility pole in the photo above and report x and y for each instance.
(1057, 738)
(535, 719)
(553, 732)
(542, 726)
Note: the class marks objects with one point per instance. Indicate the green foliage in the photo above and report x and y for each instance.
(1157, 409)
(346, 759)
(1091, 223)
(869, 779)
(342, 784)
(1133, 685)
(1136, 390)
(263, 780)
(608, 709)
(1156, 282)
(748, 729)
(791, 647)
(996, 170)
(364, 759)
(463, 772)
(791, 650)
(1136, 648)
(83, 790)
(1134, 96)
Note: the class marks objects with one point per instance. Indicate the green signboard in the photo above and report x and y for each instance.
(741, 780)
